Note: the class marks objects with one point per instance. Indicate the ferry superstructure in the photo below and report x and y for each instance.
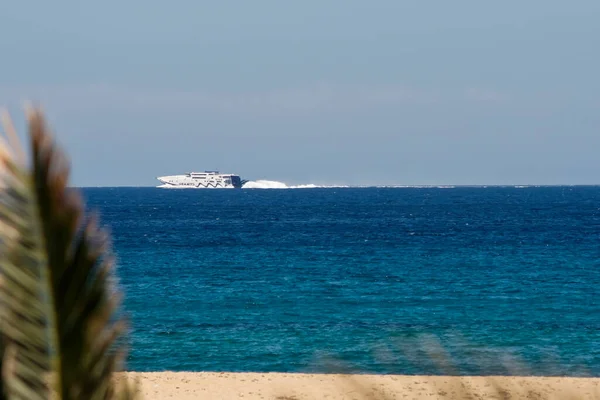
(203, 180)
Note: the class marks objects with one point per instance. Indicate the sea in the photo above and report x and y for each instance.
(454, 280)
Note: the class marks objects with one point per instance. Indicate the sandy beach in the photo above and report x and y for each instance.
(278, 386)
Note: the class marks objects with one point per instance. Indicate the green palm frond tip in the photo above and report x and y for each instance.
(62, 334)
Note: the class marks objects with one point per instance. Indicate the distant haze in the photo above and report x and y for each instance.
(325, 92)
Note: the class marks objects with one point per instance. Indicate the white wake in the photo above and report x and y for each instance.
(265, 184)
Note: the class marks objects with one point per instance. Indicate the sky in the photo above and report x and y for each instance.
(324, 92)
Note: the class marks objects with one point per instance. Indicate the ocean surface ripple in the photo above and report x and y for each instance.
(358, 279)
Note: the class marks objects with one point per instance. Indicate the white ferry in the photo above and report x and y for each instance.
(203, 180)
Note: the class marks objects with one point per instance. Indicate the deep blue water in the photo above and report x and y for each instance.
(278, 280)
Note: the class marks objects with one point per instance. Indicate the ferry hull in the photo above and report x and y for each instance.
(202, 180)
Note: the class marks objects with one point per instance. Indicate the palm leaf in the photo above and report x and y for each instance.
(60, 308)
(24, 287)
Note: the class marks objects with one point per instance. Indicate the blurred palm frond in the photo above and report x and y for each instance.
(59, 309)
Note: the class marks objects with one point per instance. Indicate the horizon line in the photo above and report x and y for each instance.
(391, 186)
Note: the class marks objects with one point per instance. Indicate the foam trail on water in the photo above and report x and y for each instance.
(266, 184)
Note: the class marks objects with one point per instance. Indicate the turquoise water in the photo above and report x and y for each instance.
(287, 280)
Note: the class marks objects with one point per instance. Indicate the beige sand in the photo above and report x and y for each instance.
(197, 385)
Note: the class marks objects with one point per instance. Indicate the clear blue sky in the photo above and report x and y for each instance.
(344, 92)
